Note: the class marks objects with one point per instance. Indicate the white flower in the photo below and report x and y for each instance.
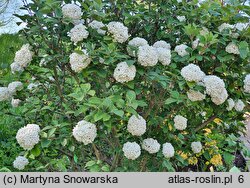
(247, 84)
(192, 73)
(28, 136)
(195, 43)
(232, 48)
(195, 95)
(180, 122)
(15, 86)
(239, 105)
(225, 26)
(72, 11)
(179, 1)
(85, 132)
(168, 150)
(78, 33)
(136, 125)
(164, 56)
(32, 86)
(135, 43)
(181, 18)
(131, 150)
(151, 145)
(16, 67)
(118, 31)
(231, 104)
(181, 50)
(162, 44)
(78, 62)
(124, 73)
(241, 26)
(204, 31)
(23, 57)
(101, 60)
(97, 25)
(196, 147)
(147, 56)
(215, 87)
(4, 94)
(15, 102)
(20, 162)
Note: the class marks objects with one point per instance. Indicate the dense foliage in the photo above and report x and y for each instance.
(59, 93)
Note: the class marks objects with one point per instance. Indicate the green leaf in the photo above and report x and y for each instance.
(244, 49)
(118, 112)
(90, 163)
(45, 143)
(36, 151)
(168, 165)
(234, 169)
(170, 100)
(98, 116)
(130, 96)
(51, 132)
(228, 158)
(75, 158)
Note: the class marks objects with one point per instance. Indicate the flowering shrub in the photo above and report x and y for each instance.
(130, 86)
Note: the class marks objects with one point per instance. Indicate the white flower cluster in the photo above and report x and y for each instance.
(118, 31)
(13, 87)
(20, 162)
(162, 44)
(181, 50)
(231, 104)
(124, 73)
(163, 52)
(239, 105)
(22, 58)
(72, 12)
(147, 56)
(4, 94)
(131, 150)
(85, 132)
(192, 73)
(135, 43)
(241, 26)
(196, 147)
(136, 125)
(232, 48)
(168, 150)
(151, 145)
(78, 33)
(225, 26)
(181, 18)
(247, 84)
(78, 62)
(28, 136)
(15, 102)
(195, 95)
(215, 87)
(180, 122)
(98, 26)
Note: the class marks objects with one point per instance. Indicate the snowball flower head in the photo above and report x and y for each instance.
(28, 136)
(4, 94)
(225, 26)
(239, 105)
(180, 122)
(131, 150)
(195, 95)
(23, 56)
(247, 84)
(181, 50)
(181, 18)
(162, 44)
(151, 145)
(78, 33)
(147, 56)
(231, 104)
(20, 162)
(97, 25)
(136, 125)
(196, 147)
(72, 11)
(164, 56)
(85, 132)
(16, 67)
(195, 43)
(124, 73)
(168, 150)
(15, 102)
(15, 86)
(118, 31)
(192, 73)
(232, 48)
(135, 43)
(78, 62)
